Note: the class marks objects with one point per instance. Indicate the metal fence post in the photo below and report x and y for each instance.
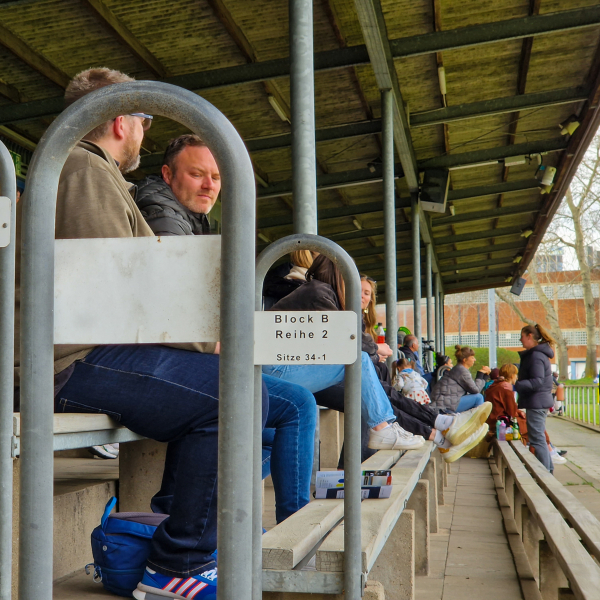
(352, 395)
(237, 326)
(302, 96)
(436, 297)
(389, 223)
(416, 260)
(8, 188)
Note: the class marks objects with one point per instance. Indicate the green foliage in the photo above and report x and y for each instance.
(482, 356)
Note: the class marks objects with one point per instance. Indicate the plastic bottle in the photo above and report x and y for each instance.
(516, 430)
(498, 422)
(380, 334)
(509, 434)
(502, 434)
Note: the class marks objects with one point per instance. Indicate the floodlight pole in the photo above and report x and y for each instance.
(416, 258)
(8, 188)
(389, 223)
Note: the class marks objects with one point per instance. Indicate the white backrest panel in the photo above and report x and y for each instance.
(137, 290)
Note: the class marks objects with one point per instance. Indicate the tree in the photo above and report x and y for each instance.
(576, 227)
(551, 317)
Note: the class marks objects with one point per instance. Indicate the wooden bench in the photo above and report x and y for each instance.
(551, 560)
(76, 430)
(395, 535)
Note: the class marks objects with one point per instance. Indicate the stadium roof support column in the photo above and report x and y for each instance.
(372, 22)
(429, 293)
(302, 95)
(389, 223)
(416, 257)
(437, 298)
(492, 328)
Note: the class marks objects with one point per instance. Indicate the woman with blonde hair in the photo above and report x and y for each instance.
(534, 387)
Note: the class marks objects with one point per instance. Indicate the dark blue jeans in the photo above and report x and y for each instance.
(169, 395)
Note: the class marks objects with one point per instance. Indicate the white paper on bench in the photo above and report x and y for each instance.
(137, 290)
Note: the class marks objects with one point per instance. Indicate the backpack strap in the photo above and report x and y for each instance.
(109, 506)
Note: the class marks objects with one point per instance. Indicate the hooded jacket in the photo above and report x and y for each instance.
(448, 391)
(534, 385)
(164, 213)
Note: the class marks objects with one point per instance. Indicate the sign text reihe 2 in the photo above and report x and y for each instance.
(305, 338)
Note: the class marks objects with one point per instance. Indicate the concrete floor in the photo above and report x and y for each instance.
(470, 556)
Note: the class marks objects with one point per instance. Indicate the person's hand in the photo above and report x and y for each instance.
(485, 370)
(521, 413)
(218, 348)
(384, 350)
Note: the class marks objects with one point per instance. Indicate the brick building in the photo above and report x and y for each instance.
(466, 315)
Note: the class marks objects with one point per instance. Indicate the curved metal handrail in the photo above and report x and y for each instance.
(237, 280)
(352, 399)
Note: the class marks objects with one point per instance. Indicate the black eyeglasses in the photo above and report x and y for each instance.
(367, 278)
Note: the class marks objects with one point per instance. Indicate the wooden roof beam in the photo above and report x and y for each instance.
(119, 30)
(358, 55)
(31, 57)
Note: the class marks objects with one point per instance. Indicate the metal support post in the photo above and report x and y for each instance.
(237, 327)
(8, 188)
(443, 321)
(389, 223)
(353, 574)
(416, 259)
(436, 296)
(302, 95)
(429, 292)
(492, 327)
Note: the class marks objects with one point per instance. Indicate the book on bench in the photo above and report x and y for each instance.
(374, 484)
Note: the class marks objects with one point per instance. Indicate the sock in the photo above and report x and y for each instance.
(386, 427)
(443, 422)
(440, 441)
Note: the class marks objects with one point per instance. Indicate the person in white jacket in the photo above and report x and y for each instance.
(409, 382)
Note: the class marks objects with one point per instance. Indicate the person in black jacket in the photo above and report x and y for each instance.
(534, 387)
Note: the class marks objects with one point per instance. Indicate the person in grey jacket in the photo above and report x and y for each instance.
(534, 387)
(456, 391)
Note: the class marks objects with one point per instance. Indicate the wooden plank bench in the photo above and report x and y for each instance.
(395, 535)
(77, 430)
(550, 558)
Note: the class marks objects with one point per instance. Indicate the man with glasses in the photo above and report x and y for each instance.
(163, 393)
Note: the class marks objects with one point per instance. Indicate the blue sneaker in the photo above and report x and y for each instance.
(155, 586)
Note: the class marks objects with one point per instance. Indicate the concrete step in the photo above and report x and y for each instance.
(82, 487)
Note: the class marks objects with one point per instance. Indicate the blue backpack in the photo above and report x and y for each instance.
(120, 546)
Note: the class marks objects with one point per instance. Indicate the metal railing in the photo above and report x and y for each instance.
(581, 403)
(353, 576)
(8, 188)
(237, 326)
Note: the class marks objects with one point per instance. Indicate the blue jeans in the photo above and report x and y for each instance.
(169, 395)
(290, 435)
(469, 401)
(536, 430)
(375, 405)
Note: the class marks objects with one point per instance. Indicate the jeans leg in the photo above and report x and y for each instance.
(169, 395)
(536, 428)
(268, 438)
(312, 377)
(293, 416)
(469, 401)
(375, 405)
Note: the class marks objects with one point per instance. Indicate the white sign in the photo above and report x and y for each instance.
(145, 290)
(305, 338)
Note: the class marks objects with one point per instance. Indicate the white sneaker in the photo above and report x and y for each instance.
(557, 459)
(105, 451)
(394, 438)
(455, 452)
(467, 422)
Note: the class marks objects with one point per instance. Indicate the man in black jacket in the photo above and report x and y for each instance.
(178, 202)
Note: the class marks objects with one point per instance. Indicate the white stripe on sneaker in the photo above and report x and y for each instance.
(195, 590)
(186, 585)
(172, 584)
